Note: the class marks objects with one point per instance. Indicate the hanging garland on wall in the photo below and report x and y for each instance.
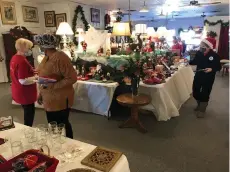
(217, 22)
(79, 9)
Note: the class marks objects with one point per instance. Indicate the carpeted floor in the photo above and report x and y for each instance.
(183, 144)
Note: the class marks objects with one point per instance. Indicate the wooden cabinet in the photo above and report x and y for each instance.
(9, 40)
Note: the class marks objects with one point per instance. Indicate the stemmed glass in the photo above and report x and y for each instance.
(41, 131)
(61, 132)
(54, 135)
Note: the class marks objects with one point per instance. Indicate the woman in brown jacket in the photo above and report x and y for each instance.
(57, 98)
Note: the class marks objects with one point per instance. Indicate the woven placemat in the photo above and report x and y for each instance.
(81, 170)
(102, 159)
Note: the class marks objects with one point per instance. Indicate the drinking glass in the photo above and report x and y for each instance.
(53, 127)
(41, 142)
(33, 142)
(41, 130)
(16, 148)
(55, 141)
(29, 133)
(61, 132)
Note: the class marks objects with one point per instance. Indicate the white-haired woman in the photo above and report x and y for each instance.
(23, 88)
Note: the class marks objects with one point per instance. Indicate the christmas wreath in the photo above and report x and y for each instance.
(21, 32)
(79, 9)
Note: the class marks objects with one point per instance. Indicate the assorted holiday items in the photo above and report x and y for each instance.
(84, 46)
(30, 161)
(6, 123)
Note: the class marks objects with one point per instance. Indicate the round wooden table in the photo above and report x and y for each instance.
(134, 102)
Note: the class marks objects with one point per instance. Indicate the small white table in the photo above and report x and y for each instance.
(91, 97)
(168, 97)
(122, 164)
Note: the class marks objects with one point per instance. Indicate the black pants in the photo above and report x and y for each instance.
(61, 117)
(29, 112)
(202, 86)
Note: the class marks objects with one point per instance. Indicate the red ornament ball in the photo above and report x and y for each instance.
(30, 161)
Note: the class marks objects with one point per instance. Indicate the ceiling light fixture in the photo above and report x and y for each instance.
(144, 9)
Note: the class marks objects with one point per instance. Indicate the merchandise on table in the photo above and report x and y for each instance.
(102, 159)
(6, 123)
(30, 161)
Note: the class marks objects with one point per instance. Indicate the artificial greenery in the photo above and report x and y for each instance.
(217, 22)
(212, 34)
(79, 9)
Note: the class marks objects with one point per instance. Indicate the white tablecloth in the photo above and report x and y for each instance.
(168, 97)
(122, 164)
(93, 97)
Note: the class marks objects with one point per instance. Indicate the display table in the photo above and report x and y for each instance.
(92, 97)
(121, 165)
(168, 97)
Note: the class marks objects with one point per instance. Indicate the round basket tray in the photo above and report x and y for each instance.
(81, 170)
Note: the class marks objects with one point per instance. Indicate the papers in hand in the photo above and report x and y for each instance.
(200, 70)
(44, 80)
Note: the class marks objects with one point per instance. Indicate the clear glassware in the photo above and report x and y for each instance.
(62, 132)
(55, 142)
(29, 133)
(16, 148)
(42, 131)
(33, 142)
(69, 154)
(41, 142)
(53, 127)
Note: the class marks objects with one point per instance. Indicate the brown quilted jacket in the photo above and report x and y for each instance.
(60, 95)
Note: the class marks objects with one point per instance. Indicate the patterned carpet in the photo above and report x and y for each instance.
(183, 144)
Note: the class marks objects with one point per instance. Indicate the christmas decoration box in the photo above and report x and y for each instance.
(51, 162)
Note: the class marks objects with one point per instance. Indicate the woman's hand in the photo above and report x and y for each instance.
(40, 102)
(208, 70)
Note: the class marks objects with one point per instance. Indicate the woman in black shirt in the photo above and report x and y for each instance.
(208, 63)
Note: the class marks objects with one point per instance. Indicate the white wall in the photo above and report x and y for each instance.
(217, 27)
(69, 8)
(34, 27)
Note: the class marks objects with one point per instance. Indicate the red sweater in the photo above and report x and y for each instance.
(178, 46)
(21, 69)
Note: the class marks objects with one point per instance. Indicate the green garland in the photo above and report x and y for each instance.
(217, 22)
(79, 9)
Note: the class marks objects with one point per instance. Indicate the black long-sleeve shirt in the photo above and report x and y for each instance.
(210, 60)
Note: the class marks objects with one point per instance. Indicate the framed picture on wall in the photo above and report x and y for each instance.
(30, 14)
(8, 13)
(95, 15)
(49, 18)
(60, 18)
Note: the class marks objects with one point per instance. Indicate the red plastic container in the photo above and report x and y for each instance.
(51, 162)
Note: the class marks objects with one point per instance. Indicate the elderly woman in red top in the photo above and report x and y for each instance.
(23, 87)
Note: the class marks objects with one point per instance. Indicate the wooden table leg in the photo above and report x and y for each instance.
(133, 121)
